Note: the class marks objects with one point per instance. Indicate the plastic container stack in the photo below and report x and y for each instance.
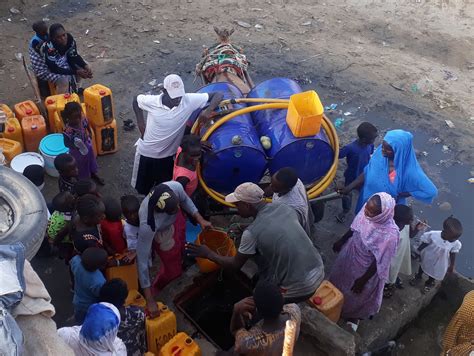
(100, 112)
(127, 273)
(25, 109)
(13, 131)
(34, 129)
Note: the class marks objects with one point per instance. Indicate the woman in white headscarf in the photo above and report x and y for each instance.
(97, 336)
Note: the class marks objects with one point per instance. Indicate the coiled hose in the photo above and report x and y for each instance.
(267, 104)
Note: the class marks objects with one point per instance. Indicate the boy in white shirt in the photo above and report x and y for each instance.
(130, 206)
(438, 251)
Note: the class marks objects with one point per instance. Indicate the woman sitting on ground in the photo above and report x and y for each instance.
(61, 57)
(365, 252)
(97, 335)
(394, 169)
(132, 324)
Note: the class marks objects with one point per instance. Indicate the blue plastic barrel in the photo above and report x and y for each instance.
(311, 157)
(230, 164)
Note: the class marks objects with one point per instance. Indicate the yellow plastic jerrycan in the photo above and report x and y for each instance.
(328, 300)
(106, 137)
(10, 148)
(56, 103)
(181, 345)
(34, 129)
(99, 104)
(135, 298)
(13, 131)
(161, 329)
(6, 109)
(127, 273)
(25, 109)
(305, 113)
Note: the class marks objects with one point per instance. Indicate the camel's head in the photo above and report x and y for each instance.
(224, 34)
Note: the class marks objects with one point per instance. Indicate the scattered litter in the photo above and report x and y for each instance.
(445, 206)
(165, 51)
(18, 57)
(45, 5)
(414, 88)
(385, 44)
(302, 80)
(449, 75)
(90, 45)
(338, 122)
(331, 107)
(445, 148)
(424, 153)
(101, 55)
(9, 20)
(307, 23)
(471, 180)
(87, 32)
(347, 113)
(153, 82)
(45, 19)
(189, 39)
(243, 24)
(450, 124)
(170, 35)
(258, 26)
(156, 41)
(15, 11)
(435, 140)
(395, 86)
(256, 9)
(23, 19)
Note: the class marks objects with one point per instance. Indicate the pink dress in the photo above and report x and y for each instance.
(171, 267)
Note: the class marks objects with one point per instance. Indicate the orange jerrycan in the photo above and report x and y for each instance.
(181, 345)
(328, 300)
(6, 109)
(13, 131)
(305, 113)
(58, 123)
(9, 148)
(135, 298)
(55, 103)
(219, 242)
(106, 138)
(34, 129)
(127, 273)
(25, 109)
(161, 329)
(99, 104)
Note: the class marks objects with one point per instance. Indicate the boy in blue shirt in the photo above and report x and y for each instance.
(40, 37)
(88, 279)
(357, 155)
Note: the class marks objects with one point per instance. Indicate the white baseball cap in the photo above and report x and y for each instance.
(247, 193)
(174, 86)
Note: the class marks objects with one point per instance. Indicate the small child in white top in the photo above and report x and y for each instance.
(130, 206)
(438, 251)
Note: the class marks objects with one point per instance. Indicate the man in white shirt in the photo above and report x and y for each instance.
(163, 131)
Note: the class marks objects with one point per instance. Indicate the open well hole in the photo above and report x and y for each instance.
(209, 302)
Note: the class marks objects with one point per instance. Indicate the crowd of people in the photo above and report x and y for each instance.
(89, 231)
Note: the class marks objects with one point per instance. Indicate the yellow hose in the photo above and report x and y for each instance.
(254, 100)
(313, 192)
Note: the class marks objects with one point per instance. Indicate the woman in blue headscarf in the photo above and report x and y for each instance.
(394, 169)
(97, 336)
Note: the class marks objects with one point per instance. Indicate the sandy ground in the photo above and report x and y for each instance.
(400, 64)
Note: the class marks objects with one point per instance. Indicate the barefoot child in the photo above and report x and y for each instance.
(357, 155)
(77, 137)
(438, 251)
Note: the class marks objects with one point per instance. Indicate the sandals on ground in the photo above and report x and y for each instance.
(415, 281)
